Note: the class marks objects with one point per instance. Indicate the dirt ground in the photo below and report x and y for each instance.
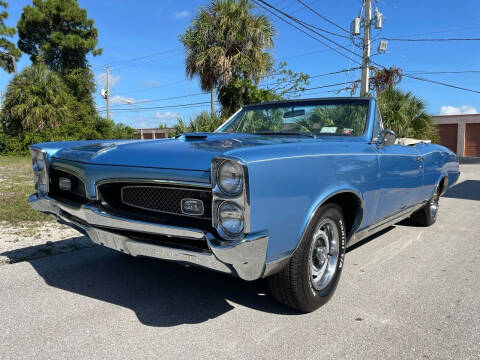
(38, 239)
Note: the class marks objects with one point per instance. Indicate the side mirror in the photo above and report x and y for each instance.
(386, 138)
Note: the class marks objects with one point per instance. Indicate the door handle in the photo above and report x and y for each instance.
(420, 158)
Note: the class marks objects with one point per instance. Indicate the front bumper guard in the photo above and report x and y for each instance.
(244, 258)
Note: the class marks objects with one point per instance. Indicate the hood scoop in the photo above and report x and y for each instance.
(193, 136)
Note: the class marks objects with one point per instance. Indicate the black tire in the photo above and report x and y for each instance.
(427, 215)
(293, 285)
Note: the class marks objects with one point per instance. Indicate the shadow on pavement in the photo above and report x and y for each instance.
(160, 293)
(468, 190)
(47, 249)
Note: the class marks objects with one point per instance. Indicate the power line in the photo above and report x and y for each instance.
(443, 72)
(176, 106)
(145, 63)
(163, 99)
(432, 40)
(156, 86)
(303, 55)
(323, 30)
(303, 31)
(439, 83)
(443, 31)
(300, 22)
(266, 85)
(123, 62)
(323, 17)
(331, 85)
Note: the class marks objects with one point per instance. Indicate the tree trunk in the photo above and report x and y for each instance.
(212, 101)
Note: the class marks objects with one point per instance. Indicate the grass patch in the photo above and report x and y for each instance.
(16, 185)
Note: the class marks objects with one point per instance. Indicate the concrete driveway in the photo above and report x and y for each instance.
(408, 293)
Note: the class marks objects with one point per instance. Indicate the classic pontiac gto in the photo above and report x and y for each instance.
(279, 191)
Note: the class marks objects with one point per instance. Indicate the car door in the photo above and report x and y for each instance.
(400, 179)
(400, 175)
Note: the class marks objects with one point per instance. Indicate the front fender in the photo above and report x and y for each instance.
(286, 192)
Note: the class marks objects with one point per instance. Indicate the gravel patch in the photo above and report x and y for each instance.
(35, 240)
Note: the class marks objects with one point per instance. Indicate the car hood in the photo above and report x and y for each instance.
(187, 152)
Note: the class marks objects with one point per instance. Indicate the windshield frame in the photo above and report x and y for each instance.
(307, 102)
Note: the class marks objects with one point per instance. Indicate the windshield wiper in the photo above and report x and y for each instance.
(289, 133)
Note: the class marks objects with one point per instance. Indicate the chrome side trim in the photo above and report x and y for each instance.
(384, 223)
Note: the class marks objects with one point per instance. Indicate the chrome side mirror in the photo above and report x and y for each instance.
(386, 138)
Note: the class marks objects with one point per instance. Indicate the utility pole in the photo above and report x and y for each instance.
(106, 92)
(366, 48)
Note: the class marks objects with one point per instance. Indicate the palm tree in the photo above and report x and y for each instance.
(36, 99)
(406, 114)
(226, 40)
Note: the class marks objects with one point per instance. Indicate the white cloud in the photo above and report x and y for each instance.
(167, 115)
(153, 83)
(145, 123)
(168, 118)
(117, 99)
(102, 80)
(181, 14)
(462, 110)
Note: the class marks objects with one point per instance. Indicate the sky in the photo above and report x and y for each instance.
(140, 43)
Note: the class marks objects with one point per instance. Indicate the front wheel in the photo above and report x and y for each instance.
(427, 215)
(311, 277)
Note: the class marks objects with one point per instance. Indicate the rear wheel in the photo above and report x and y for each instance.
(427, 215)
(311, 277)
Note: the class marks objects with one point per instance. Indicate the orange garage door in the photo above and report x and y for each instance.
(472, 140)
(448, 136)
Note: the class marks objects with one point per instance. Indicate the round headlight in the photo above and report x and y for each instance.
(230, 177)
(230, 216)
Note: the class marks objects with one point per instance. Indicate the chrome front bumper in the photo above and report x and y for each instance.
(244, 258)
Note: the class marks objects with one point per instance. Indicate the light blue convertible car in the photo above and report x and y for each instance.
(278, 191)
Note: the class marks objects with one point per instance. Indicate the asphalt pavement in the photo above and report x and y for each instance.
(408, 293)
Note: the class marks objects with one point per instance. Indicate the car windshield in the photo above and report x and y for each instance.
(311, 118)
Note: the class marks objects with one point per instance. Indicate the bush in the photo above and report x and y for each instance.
(202, 122)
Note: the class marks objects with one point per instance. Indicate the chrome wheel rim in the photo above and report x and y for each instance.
(434, 205)
(323, 255)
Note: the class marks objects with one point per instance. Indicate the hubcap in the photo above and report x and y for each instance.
(324, 254)
(434, 205)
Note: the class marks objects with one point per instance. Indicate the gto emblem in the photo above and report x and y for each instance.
(192, 207)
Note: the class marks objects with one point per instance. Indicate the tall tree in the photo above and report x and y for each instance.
(7, 48)
(58, 33)
(240, 91)
(406, 114)
(225, 41)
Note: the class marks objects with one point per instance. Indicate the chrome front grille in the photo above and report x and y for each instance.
(164, 199)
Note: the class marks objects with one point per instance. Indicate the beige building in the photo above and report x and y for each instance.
(460, 133)
(155, 133)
